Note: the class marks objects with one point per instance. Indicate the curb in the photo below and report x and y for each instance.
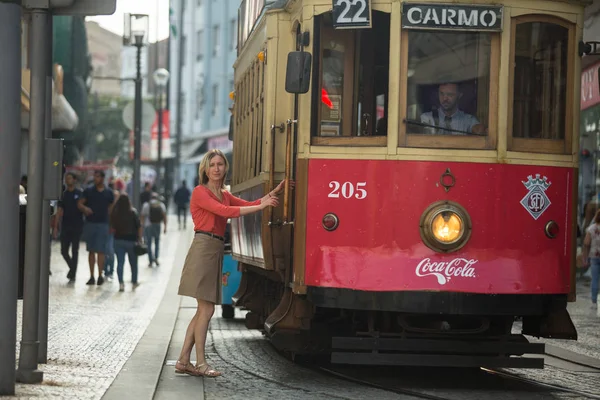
(138, 379)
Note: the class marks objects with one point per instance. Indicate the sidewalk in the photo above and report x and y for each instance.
(93, 330)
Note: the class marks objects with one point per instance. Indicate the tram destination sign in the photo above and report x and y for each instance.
(451, 16)
(351, 14)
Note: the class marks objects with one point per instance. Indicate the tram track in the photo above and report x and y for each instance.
(425, 393)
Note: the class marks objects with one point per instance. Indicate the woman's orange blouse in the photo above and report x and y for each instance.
(210, 215)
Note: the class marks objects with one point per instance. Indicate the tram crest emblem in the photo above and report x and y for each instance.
(536, 201)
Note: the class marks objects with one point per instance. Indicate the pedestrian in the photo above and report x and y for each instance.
(591, 254)
(70, 218)
(211, 205)
(182, 200)
(109, 258)
(153, 213)
(127, 229)
(146, 195)
(96, 203)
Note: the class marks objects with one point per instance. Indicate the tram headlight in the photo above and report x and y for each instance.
(445, 226)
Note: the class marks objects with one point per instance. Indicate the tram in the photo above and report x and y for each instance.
(433, 146)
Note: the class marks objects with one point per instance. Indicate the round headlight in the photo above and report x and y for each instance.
(445, 226)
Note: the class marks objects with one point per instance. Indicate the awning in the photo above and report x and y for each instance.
(63, 116)
(192, 149)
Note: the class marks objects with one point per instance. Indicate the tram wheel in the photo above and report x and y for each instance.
(228, 311)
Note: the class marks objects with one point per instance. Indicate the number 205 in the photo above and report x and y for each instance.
(348, 189)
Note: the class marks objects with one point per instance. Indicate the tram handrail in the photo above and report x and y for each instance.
(288, 169)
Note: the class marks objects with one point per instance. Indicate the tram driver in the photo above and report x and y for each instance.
(448, 119)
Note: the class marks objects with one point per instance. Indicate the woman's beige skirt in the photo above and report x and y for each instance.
(201, 275)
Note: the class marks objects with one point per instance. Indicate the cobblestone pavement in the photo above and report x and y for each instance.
(252, 369)
(94, 329)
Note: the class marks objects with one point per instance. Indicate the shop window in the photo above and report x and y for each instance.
(352, 76)
(541, 89)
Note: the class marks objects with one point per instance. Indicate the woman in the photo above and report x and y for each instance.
(210, 207)
(591, 252)
(125, 224)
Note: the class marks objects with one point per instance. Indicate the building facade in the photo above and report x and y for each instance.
(105, 51)
(589, 150)
(208, 35)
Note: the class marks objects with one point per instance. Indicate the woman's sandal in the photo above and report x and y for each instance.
(207, 371)
(189, 369)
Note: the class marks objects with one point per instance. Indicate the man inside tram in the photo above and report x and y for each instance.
(449, 118)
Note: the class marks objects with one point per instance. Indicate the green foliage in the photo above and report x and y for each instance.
(106, 122)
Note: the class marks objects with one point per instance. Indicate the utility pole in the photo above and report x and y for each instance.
(178, 93)
(160, 133)
(45, 238)
(137, 123)
(10, 165)
(28, 359)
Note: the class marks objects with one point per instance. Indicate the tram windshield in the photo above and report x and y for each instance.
(354, 75)
(448, 82)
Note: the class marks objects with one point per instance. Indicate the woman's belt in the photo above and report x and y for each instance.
(212, 235)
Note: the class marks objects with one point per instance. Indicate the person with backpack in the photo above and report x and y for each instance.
(153, 214)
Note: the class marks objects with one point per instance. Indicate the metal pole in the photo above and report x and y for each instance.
(28, 358)
(45, 236)
(137, 140)
(10, 165)
(179, 103)
(160, 133)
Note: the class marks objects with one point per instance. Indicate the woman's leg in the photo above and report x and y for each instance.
(188, 343)
(120, 253)
(133, 261)
(205, 312)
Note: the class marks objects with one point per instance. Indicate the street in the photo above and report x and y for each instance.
(111, 345)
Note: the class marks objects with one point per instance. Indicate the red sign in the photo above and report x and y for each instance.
(383, 250)
(590, 91)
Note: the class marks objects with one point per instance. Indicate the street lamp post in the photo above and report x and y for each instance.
(161, 78)
(136, 34)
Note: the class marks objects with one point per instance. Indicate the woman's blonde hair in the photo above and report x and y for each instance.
(206, 163)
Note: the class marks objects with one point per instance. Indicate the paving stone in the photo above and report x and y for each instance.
(94, 329)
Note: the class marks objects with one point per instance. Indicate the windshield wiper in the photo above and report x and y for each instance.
(411, 122)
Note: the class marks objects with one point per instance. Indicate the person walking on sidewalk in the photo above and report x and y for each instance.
(70, 218)
(153, 213)
(182, 200)
(211, 206)
(591, 253)
(96, 203)
(127, 229)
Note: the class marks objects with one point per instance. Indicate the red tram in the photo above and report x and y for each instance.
(434, 150)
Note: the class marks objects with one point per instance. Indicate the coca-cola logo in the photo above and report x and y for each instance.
(444, 271)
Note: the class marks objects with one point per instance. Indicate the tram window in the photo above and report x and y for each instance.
(448, 83)
(540, 80)
(354, 77)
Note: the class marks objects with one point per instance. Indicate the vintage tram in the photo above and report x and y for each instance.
(433, 148)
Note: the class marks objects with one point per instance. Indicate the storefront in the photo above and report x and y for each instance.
(589, 148)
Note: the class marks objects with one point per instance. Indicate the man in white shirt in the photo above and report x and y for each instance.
(153, 213)
(448, 117)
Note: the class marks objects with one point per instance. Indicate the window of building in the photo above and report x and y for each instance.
(353, 77)
(198, 3)
(216, 40)
(184, 46)
(215, 99)
(233, 33)
(199, 45)
(199, 98)
(542, 57)
(182, 105)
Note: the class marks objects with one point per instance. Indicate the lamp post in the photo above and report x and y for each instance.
(161, 78)
(136, 34)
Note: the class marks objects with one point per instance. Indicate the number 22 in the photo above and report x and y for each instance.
(343, 17)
